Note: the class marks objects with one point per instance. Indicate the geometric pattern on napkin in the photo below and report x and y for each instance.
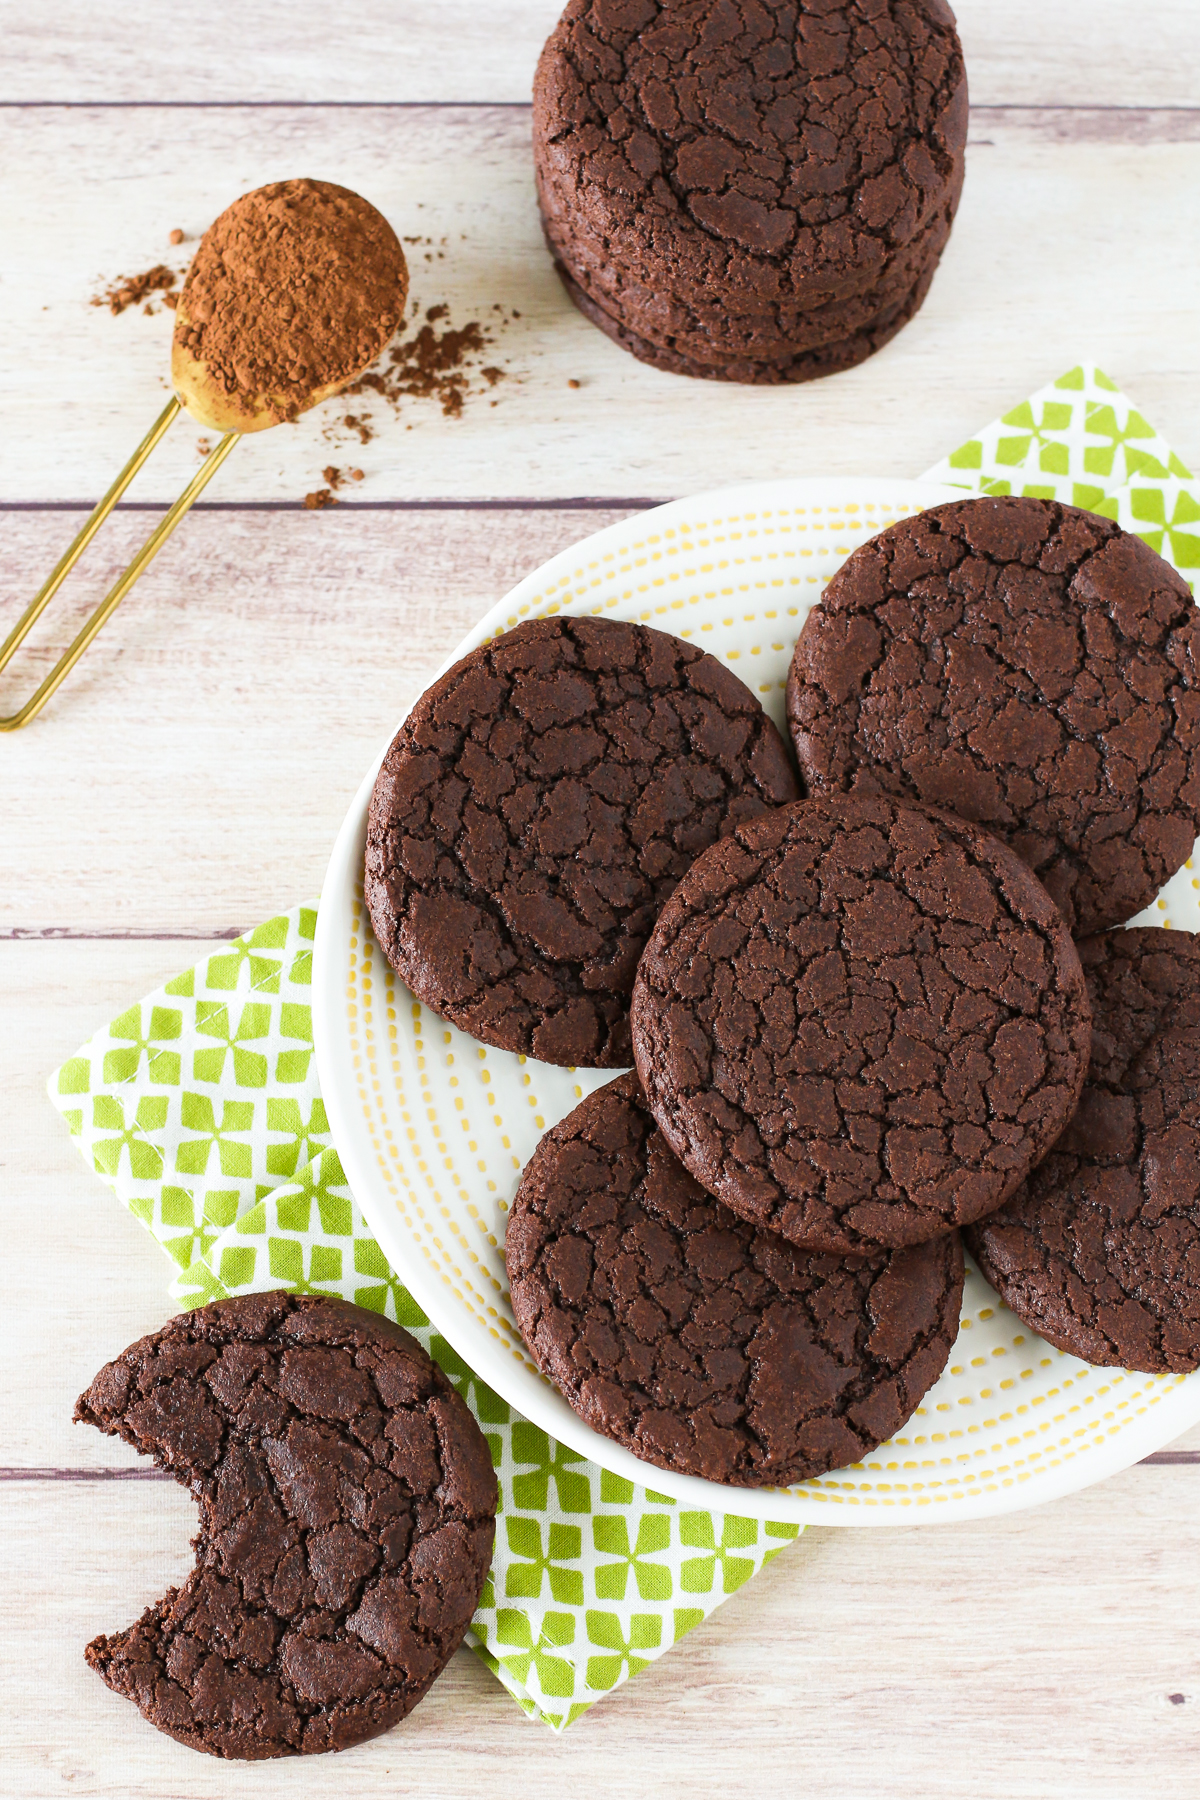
(194, 1104)
(200, 1109)
(592, 1577)
(1080, 440)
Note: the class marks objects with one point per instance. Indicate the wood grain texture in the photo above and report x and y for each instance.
(848, 1668)
(203, 756)
(1070, 242)
(1039, 52)
(190, 778)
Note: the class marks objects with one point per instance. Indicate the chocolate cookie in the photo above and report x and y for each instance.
(751, 163)
(1099, 1251)
(698, 1341)
(535, 811)
(1031, 667)
(347, 1507)
(805, 365)
(860, 1022)
(728, 332)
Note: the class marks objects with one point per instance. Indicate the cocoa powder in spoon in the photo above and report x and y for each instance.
(294, 288)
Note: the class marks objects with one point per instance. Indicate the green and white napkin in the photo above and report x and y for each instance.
(200, 1108)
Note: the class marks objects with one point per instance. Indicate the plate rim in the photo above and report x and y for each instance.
(544, 1406)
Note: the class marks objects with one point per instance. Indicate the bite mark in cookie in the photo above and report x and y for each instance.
(347, 1505)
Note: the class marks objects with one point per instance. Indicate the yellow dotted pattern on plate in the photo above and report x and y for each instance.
(453, 1122)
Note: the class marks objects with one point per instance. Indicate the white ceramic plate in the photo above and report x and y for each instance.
(433, 1129)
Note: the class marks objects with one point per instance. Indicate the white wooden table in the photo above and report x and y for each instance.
(189, 779)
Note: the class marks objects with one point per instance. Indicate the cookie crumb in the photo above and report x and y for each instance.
(319, 499)
(175, 237)
(203, 447)
(356, 475)
(573, 383)
(333, 477)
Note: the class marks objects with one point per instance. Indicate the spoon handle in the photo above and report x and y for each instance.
(121, 587)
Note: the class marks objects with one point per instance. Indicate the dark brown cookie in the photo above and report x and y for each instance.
(1099, 1251)
(701, 1343)
(535, 811)
(757, 161)
(806, 365)
(347, 1506)
(729, 330)
(1029, 666)
(860, 1022)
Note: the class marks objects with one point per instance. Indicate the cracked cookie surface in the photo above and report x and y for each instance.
(844, 352)
(702, 1343)
(781, 157)
(1026, 665)
(860, 1022)
(347, 1504)
(535, 811)
(1099, 1251)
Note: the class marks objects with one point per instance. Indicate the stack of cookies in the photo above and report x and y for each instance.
(750, 193)
(860, 1020)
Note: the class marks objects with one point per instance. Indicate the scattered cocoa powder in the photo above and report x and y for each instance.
(435, 364)
(129, 290)
(322, 498)
(296, 286)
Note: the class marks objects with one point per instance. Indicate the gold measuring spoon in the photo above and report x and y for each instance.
(292, 294)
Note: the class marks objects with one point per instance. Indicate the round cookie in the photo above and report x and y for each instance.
(764, 161)
(347, 1506)
(701, 1343)
(730, 329)
(1031, 667)
(1099, 1251)
(535, 811)
(860, 1022)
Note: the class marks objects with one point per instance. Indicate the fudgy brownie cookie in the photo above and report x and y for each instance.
(347, 1505)
(704, 1344)
(740, 166)
(1099, 1251)
(1026, 665)
(736, 330)
(535, 811)
(846, 352)
(860, 1022)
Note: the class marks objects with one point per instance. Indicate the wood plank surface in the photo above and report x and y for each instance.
(1068, 244)
(1031, 52)
(190, 778)
(207, 749)
(997, 1659)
